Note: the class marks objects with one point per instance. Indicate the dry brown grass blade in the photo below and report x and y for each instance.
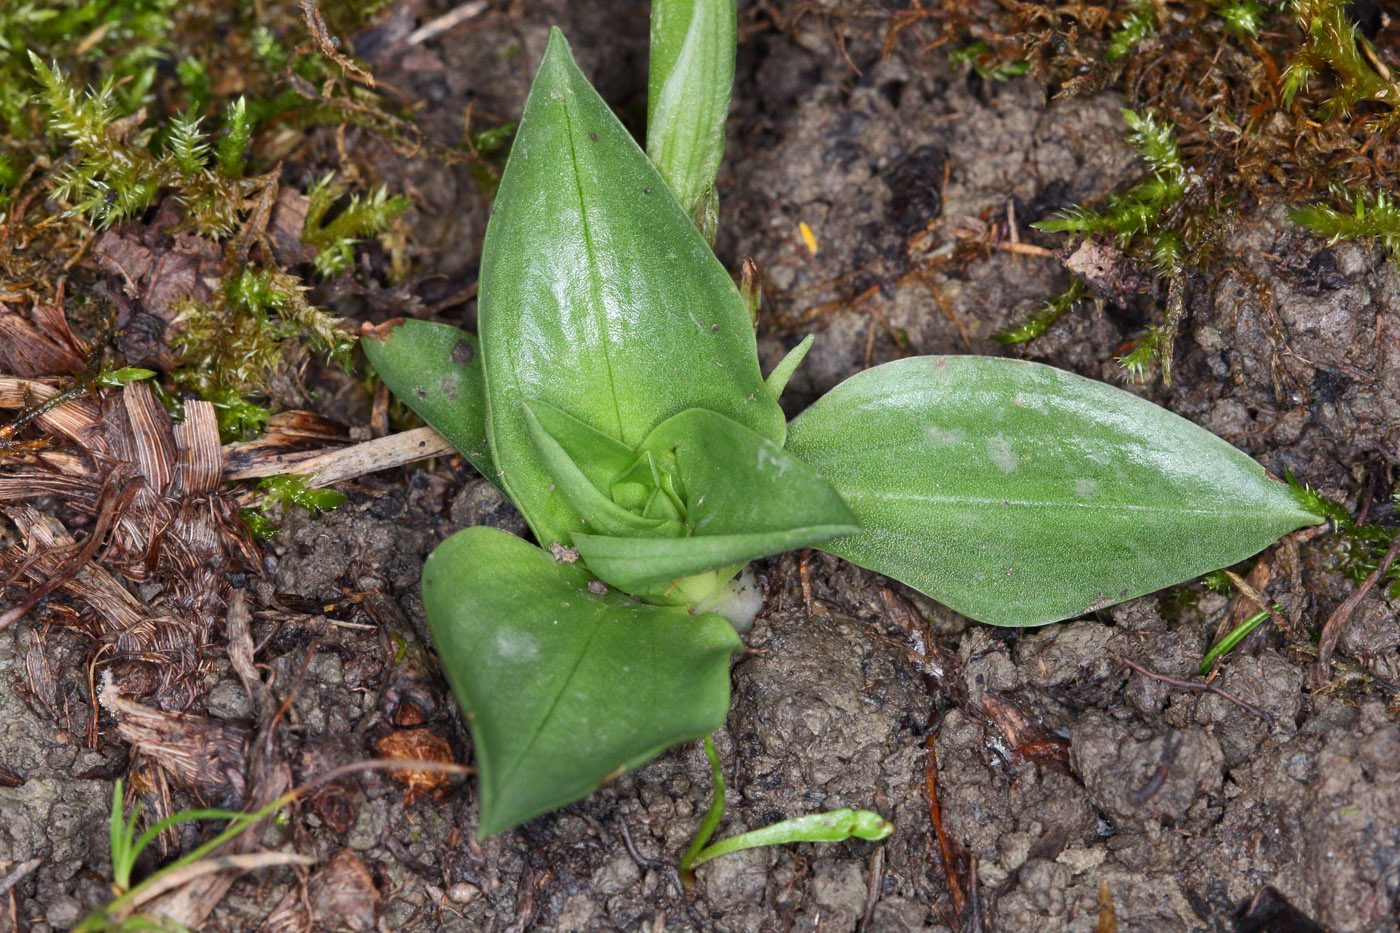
(153, 441)
(75, 420)
(1337, 621)
(37, 344)
(45, 542)
(202, 754)
(114, 499)
(198, 457)
(217, 864)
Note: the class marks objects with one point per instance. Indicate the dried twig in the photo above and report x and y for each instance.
(219, 863)
(338, 465)
(1254, 596)
(1192, 685)
(17, 875)
(1337, 621)
(446, 22)
(948, 848)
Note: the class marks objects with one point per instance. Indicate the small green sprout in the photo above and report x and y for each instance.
(1139, 24)
(1040, 321)
(1137, 210)
(115, 378)
(233, 144)
(1331, 42)
(489, 142)
(127, 847)
(1242, 17)
(1233, 638)
(361, 217)
(832, 826)
(259, 525)
(1374, 215)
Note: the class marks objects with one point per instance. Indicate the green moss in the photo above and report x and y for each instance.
(362, 216)
(254, 327)
(1042, 320)
(1373, 215)
(1231, 104)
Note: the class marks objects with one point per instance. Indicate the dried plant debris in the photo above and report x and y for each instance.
(150, 492)
(172, 182)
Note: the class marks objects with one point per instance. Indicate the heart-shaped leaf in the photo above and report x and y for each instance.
(744, 497)
(1019, 494)
(564, 688)
(436, 370)
(599, 296)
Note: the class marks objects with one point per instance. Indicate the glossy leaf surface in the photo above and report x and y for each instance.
(599, 296)
(1019, 494)
(743, 497)
(564, 688)
(691, 76)
(435, 369)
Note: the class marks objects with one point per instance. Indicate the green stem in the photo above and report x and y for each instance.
(1234, 638)
(710, 823)
(832, 826)
(242, 822)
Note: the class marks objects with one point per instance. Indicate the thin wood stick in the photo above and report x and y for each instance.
(339, 464)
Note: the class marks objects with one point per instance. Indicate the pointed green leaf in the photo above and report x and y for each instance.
(692, 74)
(564, 688)
(778, 379)
(744, 498)
(1019, 494)
(599, 296)
(435, 369)
(602, 459)
(577, 475)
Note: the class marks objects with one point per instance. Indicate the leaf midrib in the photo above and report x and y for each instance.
(1001, 502)
(553, 704)
(593, 277)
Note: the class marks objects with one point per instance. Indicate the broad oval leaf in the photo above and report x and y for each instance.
(564, 688)
(599, 296)
(435, 369)
(744, 497)
(1019, 494)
